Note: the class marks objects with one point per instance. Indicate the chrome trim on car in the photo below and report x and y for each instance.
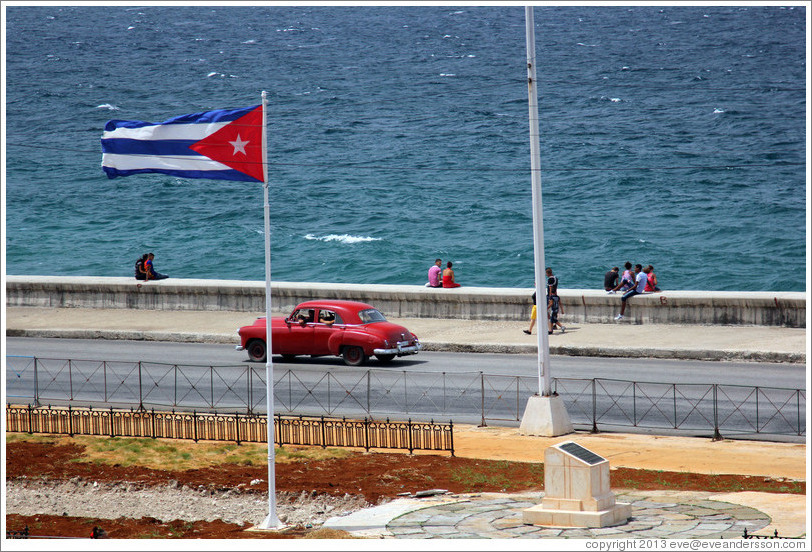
(240, 348)
(400, 350)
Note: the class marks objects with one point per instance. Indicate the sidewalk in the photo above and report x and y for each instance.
(755, 343)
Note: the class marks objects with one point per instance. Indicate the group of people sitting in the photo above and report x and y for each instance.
(612, 282)
(641, 281)
(144, 270)
(444, 281)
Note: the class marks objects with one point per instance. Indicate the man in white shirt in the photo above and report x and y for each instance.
(640, 278)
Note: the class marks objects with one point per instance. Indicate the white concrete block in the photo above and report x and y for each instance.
(546, 417)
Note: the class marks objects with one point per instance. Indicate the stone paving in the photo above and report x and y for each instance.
(655, 514)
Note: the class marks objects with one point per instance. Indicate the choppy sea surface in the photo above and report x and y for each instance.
(671, 136)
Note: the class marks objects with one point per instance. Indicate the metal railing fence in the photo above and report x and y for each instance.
(240, 428)
(377, 393)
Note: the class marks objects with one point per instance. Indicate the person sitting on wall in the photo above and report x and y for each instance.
(448, 277)
(150, 269)
(434, 274)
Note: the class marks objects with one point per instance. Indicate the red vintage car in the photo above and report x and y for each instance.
(349, 329)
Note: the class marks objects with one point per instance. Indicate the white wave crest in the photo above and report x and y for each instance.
(343, 238)
(111, 107)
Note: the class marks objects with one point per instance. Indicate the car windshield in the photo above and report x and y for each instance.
(371, 315)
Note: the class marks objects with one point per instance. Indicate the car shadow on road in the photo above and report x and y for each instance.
(336, 362)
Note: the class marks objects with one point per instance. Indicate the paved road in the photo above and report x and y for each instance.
(463, 387)
(525, 365)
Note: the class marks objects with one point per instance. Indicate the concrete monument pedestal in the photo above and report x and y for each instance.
(576, 491)
(546, 417)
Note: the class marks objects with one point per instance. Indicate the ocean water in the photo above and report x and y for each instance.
(671, 136)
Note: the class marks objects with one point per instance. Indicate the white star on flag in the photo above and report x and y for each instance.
(239, 145)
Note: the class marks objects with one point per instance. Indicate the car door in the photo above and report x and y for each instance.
(328, 323)
(297, 336)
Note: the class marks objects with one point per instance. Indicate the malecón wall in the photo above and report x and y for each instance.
(591, 306)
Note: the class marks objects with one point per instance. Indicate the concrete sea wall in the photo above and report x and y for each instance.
(578, 305)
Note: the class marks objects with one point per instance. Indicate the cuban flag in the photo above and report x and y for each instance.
(225, 144)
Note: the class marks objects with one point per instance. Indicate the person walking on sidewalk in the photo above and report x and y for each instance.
(641, 278)
(554, 305)
(552, 281)
(533, 315)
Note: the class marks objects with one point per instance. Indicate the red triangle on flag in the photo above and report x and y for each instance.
(237, 145)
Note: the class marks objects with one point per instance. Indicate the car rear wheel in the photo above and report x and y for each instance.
(385, 359)
(256, 350)
(353, 355)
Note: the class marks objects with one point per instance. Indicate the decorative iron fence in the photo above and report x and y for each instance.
(241, 428)
(466, 397)
(747, 535)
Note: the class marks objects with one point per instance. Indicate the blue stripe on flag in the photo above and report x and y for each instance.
(147, 147)
(229, 174)
(203, 117)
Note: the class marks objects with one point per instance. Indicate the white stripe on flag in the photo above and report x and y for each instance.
(166, 132)
(177, 163)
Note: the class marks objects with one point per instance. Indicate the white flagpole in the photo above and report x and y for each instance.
(538, 213)
(272, 521)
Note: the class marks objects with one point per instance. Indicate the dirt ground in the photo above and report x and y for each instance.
(375, 476)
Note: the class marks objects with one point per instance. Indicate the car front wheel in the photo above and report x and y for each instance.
(353, 355)
(256, 350)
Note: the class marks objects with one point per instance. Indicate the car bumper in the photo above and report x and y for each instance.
(400, 350)
(239, 348)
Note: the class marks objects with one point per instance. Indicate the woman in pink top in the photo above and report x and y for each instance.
(651, 284)
(448, 277)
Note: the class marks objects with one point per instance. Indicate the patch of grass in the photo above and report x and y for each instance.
(43, 439)
(166, 454)
(495, 476)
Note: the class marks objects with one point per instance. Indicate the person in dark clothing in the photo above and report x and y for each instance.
(554, 304)
(610, 279)
(140, 269)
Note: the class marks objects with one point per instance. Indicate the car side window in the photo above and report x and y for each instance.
(303, 315)
(329, 317)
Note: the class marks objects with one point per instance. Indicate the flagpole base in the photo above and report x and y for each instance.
(545, 417)
(270, 523)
